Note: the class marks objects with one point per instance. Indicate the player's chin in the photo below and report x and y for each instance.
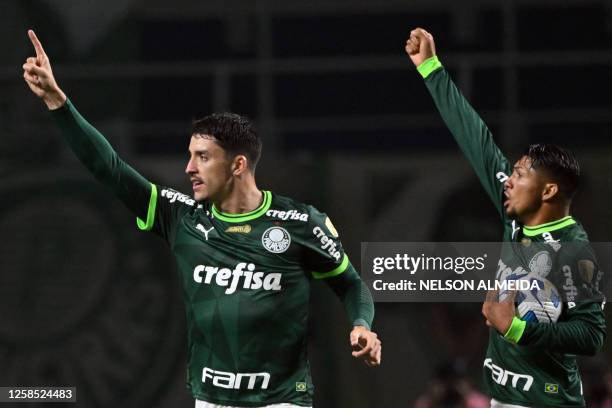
(200, 195)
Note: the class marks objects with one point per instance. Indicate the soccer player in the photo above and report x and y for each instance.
(245, 256)
(529, 363)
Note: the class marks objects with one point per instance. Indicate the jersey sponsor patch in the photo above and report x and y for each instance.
(287, 215)
(507, 378)
(225, 379)
(327, 244)
(331, 228)
(243, 275)
(276, 240)
(239, 229)
(300, 387)
(173, 196)
(571, 292)
(586, 269)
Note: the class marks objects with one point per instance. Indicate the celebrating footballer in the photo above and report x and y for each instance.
(246, 257)
(531, 357)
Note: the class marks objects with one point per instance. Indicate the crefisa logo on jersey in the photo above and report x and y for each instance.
(242, 276)
(327, 243)
(173, 195)
(276, 240)
(288, 215)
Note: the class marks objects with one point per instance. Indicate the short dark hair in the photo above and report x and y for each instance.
(234, 133)
(559, 164)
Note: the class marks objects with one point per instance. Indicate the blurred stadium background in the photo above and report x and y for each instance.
(87, 300)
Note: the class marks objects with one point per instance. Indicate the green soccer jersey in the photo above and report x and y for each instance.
(535, 364)
(245, 278)
(246, 293)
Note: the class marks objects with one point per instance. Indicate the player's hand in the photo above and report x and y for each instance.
(420, 46)
(366, 345)
(499, 313)
(39, 76)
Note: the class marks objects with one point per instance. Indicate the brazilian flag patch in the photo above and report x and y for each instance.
(300, 386)
(551, 388)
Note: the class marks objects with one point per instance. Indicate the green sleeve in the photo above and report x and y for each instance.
(324, 256)
(583, 333)
(94, 151)
(355, 296)
(470, 132)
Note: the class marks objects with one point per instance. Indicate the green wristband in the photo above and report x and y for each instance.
(515, 331)
(428, 66)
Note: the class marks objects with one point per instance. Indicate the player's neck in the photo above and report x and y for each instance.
(243, 197)
(545, 214)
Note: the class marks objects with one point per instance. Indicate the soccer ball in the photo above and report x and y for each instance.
(539, 306)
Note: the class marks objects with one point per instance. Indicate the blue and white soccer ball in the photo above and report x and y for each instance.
(539, 306)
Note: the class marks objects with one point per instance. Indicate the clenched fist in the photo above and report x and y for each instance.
(420, 46)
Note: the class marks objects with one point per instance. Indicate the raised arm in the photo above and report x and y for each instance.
(89, 145)
(38, 75)
(468, 129)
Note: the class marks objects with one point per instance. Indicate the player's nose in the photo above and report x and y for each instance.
(190, 169)
(508, 183)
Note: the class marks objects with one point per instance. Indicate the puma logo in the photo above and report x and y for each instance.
(515, 229)
(200, 227)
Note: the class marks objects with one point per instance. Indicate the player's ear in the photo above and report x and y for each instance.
(550, 191)
(240, 165)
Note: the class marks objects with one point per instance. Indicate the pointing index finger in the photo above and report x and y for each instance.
(40, 52)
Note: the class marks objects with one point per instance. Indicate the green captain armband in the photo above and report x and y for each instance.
(428, 66)
(515, 331)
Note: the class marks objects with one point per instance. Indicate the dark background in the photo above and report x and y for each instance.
(86, 300)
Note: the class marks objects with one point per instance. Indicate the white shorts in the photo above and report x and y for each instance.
(204, 404)
(497, 404)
